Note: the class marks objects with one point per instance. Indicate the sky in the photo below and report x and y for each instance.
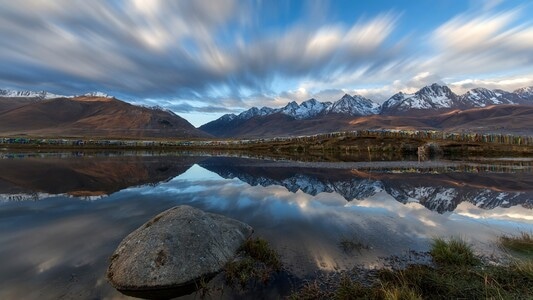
(204, 58)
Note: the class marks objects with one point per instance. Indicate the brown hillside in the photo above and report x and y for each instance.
(93, 116)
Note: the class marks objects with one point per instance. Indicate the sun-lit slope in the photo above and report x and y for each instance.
(94, 116)
(496, 118)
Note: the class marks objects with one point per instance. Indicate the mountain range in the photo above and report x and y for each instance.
(434, 107)
(402, 110)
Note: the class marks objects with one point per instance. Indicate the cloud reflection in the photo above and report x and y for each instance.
(69, 241)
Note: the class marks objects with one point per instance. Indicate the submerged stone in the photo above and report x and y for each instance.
(175, 249)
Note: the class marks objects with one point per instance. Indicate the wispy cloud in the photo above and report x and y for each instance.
(222, 56)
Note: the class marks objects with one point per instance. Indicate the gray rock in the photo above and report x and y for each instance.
(174, 249)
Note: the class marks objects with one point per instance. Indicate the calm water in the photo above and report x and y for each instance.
(63, 214)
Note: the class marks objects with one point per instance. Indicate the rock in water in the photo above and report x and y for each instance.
(175, 249)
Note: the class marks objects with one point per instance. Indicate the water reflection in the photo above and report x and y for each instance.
(30, 176)
(59, 248)
(440, 192)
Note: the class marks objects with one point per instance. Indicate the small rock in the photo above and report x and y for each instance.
(176, 249)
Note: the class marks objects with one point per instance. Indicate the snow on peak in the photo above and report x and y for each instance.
(355, 106)
(97, 94)
(481, 97)
(47, 95)
(254, 112)
(309, 108)
(151, 107)
(437, 96)
(228, 117)
(29, 94)
(433, 96)
(525, 93)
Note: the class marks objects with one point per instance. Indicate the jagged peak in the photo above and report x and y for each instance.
(526, 88)
(312, 100)
(434, 88)
(291, 104)
(228, 117)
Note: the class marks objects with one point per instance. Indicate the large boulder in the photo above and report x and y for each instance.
(175, 249)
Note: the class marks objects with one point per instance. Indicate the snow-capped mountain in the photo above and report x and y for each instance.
(349, 105)
(437, 97)
(481, 97)
(47, 95)
(525, 93)
(326, 116)
(28, 94)
(227, 118)
(254, 111)
(354, 106)
(306, 110)
(431, 97)
(434, 96)
(96, 94)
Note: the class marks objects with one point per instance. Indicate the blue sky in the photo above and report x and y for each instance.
(205, 58)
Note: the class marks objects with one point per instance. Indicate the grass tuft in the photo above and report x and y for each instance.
(309, 291)
(348, 289)
(525, 269)
(257, 264)
(521, 244)
(260, 250)
(399, 293)
(454, 251)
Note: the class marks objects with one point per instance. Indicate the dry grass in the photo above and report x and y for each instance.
(521, 244)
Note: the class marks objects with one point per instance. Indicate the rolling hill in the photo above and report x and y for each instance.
(90, 116)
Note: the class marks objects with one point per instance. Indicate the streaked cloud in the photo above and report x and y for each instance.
(222, 56)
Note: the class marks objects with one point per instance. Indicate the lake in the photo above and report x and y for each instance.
(62, 214)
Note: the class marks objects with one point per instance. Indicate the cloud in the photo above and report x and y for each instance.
(490, 42)
(222, 56)
(507, 84)
(171, 48)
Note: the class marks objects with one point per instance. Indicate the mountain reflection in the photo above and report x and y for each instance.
(31, 177)
(440, 192)
(441, 189)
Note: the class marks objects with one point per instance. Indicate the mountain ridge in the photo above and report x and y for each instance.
(430, 100)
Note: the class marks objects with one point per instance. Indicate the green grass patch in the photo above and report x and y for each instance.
(425, 282)
(349, 289)
(257, 263)
(458, 274)
(453, 251)
(521, 244)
